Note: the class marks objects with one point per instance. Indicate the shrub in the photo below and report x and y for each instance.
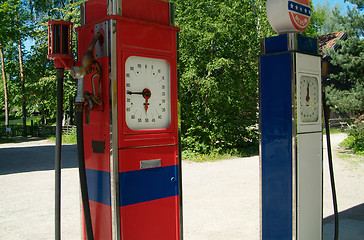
(355, 140)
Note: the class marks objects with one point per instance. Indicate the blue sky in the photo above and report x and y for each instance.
(331, 3)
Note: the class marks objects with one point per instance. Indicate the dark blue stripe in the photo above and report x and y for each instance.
(148, 184)
(98, 184)
(299, 8)
(276, 44)
(276, 146)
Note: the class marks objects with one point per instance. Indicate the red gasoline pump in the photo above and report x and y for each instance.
(128, 121)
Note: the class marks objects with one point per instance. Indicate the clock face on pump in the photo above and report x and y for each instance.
(147, 93)
(309, 99)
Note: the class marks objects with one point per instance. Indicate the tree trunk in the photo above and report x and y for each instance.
(24, 110)
(6, 103)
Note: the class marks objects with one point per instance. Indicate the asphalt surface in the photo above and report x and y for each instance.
(220, 199)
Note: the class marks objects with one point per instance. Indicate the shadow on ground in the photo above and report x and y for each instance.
(351, 224)
(37, 158)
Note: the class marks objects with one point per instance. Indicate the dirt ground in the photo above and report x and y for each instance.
(220, 199)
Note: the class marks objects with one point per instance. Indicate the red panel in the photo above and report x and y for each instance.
(157, 220)
(95, 10)
(101, 221)
(148, 10)
(130, 158)
(146, 36)
(85, 34)
(98, 129)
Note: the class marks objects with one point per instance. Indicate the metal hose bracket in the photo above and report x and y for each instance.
(80, 91)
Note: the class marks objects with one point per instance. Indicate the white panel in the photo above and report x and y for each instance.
(309, 186)
(153, 76)
(308, 63)
(308, 68)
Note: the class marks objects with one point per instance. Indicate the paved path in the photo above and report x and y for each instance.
(221, 199)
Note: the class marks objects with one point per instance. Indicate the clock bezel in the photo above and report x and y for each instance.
(313, 125)
(300, 77)
(173, 94)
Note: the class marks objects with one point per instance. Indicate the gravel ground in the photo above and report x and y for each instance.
(220, 199)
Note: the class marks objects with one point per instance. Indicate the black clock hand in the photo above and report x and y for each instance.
(146, 93)
(130, 93)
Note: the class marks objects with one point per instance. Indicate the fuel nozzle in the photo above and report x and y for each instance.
(88, 65)
(88, 60)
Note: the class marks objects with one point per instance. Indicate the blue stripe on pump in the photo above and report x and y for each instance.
(148, 184)
(98, 184)
(276, 146)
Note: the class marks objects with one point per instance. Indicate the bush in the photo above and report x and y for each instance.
(355, 140)
(219, 45)
(68, 136)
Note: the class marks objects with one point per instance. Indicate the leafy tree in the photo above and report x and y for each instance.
(329, 24)
(346, 91)
(219, 45)
(318, 18)
(40, 71)
(7, 31)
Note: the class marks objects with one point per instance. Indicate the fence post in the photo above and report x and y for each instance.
(31, 128)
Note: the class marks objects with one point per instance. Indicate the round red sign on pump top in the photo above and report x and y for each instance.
(287, 16)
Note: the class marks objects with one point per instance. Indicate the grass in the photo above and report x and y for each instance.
(235, 153)
(354, 160)
(334, 130)
(20, 120)
(212, 157)
(248, 151)
(347, 144)
(68, 137)
(355, 140)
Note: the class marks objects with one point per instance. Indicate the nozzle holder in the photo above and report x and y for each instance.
(60, 44)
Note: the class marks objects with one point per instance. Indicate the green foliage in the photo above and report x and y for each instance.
(355, 140)
(219, 45)
(346, 102)
(220, 154)
(68, 137)
(20, 20)
(330, 24)
(211, 157)
(14, 121)
(9, 10)
(346, 92)
(42, 85)
(318, 18)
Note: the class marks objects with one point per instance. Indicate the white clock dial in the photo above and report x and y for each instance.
(309, 99)
(147, 93)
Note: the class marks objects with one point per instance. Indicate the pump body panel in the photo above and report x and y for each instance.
(290, 138)
(133, 171)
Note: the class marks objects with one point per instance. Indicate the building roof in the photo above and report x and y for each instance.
(329, 41)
